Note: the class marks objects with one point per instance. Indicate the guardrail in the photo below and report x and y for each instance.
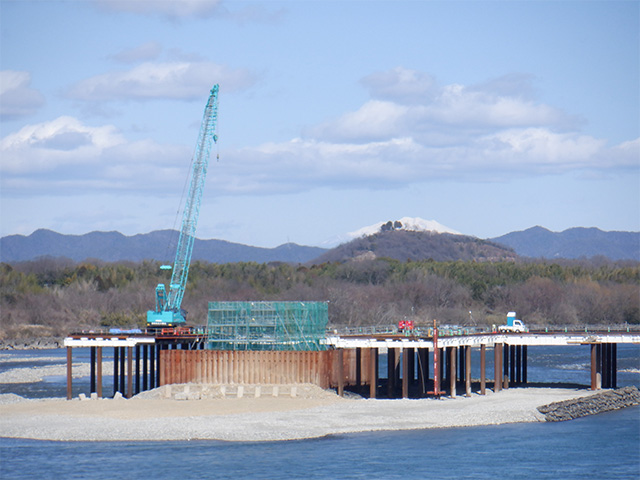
(453, 330)
(372, 330)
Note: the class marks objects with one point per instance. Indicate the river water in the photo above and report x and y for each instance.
(597, 447)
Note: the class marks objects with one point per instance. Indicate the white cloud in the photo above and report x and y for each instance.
(375, 120)
(67, 156)
(299, 165)
(459, 133)
(414, 130)
(173, 9)
(153, 80)
(46, 146)
(538, 146)
(458, 106)
(625, 154)
(410, 103)
(17, 98)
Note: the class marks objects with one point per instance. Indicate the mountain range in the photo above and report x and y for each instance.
(404, 239)
(159, 245)
(538, 242)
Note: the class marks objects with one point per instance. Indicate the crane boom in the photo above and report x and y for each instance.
(168, 310)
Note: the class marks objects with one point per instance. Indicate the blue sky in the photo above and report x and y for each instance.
(488, 117)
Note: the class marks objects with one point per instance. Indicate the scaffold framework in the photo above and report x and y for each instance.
(267, 325)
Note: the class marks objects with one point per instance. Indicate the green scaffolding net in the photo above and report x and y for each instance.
(267, 325)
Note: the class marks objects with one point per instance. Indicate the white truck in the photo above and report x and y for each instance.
(513, 324)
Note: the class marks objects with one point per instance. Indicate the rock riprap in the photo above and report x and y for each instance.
(591, 405)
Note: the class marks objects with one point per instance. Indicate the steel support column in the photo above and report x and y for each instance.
(373, 372)
(437, 367)
(69, 374)
(99, 371)
(524, 364)
(446, 377)
(145, 366)
(391, 372)
(506, 350)
(406, 353)
(123, 360)
(137, 352)
(518, 378)
(467, 369)
(483, 366)
(157, 365)
(358, 366)
(497, 367)
(152, 366)
(116, 366)
(423, 370)
(605, 365)
(340, 372)
(452, 371)
(129, 372)
(412, 366)
(92, 369)
(598, 366)
(512, 364)
(614, 365)
(594, 368)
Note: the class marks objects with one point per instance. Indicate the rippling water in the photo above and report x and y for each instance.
(546, 364)
(598, 447)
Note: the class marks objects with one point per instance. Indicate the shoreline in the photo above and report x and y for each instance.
(39, 343)
(266, 418)
(207, 412)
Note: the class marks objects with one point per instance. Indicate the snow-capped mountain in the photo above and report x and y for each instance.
(414, 224)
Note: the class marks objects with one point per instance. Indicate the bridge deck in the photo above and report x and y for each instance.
(488, 339)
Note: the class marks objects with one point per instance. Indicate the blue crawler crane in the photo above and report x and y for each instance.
(168, 311)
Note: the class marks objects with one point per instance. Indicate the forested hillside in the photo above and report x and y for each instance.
(53, 297)
(406, 245)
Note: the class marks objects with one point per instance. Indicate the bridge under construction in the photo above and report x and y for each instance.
(373, 365)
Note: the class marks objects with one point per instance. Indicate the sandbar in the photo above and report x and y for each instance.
(265, 418)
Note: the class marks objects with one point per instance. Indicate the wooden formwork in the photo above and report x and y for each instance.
(248, 367)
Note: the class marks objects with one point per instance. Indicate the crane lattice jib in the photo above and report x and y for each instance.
(206, 138)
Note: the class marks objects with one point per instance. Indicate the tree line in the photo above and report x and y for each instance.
(52, 297)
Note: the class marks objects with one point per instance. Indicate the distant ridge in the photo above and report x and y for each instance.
(579, 242)
(159, 245)
(417, 240)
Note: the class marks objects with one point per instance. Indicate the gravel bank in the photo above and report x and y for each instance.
(591, 405)
(314, 414)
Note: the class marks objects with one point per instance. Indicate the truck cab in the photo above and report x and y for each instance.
(513, 324)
